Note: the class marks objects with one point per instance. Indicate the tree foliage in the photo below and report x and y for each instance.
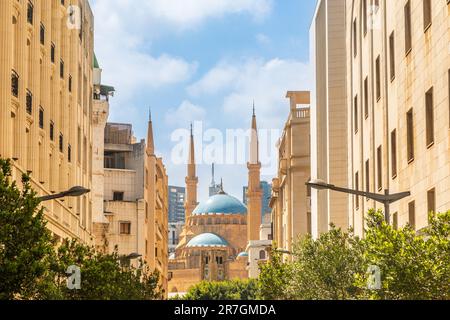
(226, 290)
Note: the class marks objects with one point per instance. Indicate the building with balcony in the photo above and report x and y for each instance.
(398, 133)
(46, 90)
(290, 202)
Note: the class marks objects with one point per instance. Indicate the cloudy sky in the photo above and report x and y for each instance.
(204, 61)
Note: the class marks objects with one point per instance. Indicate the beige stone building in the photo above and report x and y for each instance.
(290, 203)
(329, 146)
(46, 103)
(398, 106)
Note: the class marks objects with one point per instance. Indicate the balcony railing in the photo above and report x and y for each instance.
(303, 113)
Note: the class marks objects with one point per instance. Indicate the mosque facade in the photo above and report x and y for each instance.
(215, 242)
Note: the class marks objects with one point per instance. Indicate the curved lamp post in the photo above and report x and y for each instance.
(72, 192)
(385, 198)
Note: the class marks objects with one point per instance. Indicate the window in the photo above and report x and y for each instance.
(70, 83)
(380, 168)
(118, 196)
(14, 83)
(262, 255)
(52, 131)
(357, 189)
(410, 135)
(69, 153)
(394, 153)
(395, 221)
(125, 228)
(41, 117)
(61, 69)
(431, 200)
(42, 34)
(408, 30)
(367, 176)
(392, 55)
(429, 117)
(426, 14)
(366, 97)
(412, 214)
(355, 106)
(29, 102)
(30, 12)
(355, 41)
(61, 142)
(378, 78)
(52, 52)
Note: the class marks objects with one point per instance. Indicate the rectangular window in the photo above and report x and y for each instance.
(426, 14)
(61, 142)
(30, 12)
(61, 69)
(394, 153)
(412, 214)
(431, 201)
(395, 221)
(378, 77)
(52, 52)
(52, 130)
(69, 153)
(355, 39)
(118, 196)
(408, 30)
(357, 189)
(14, 84)
(410, 135)
(367, 176)
(29, 102)
(41, 117)
(42, 34)
(380, 168)
(392, 55)
(429, 117)
(70, 83)
(125, 228)
(355, 106)
(366, 97)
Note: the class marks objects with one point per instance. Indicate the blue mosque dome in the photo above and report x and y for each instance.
(221, 203)
(207, 240)
(243, 255)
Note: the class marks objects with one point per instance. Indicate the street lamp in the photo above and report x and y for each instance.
(385, 198)
(72, 192)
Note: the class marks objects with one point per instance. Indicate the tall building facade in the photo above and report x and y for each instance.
(290, 202)
(329, 145)
(265, 207)
(46, 90)
(398, 106)
(177, 197)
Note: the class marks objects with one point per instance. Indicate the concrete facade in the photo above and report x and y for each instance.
(46, 91)
(290, 202)
(398, 107)
(329, 147)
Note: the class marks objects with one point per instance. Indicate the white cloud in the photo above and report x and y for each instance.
(266, 82)
(186, 113)
(263, 39)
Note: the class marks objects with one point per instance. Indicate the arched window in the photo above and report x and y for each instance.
(209, 221)
(218, 221)
(262, 255)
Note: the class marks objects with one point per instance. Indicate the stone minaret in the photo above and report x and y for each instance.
(191, 181)
(254, 193)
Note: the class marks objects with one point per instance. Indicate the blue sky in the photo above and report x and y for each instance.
(203, 60)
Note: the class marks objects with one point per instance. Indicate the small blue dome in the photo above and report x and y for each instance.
(221, 204)
(207, 240)
(243, 255)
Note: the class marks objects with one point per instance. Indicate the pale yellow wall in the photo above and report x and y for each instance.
(22, 51)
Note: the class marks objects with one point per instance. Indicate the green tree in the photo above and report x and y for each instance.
(412, 266)
(275, 278)
(102, 276)
(225, 290)
(25, 243)
(324, 269)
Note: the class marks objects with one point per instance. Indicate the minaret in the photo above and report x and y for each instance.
(150, 141)
(213, 182)
(254, 193)
(191, 181)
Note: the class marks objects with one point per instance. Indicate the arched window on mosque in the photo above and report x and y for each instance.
(218, 221)
(262, 255)
(209, 221)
